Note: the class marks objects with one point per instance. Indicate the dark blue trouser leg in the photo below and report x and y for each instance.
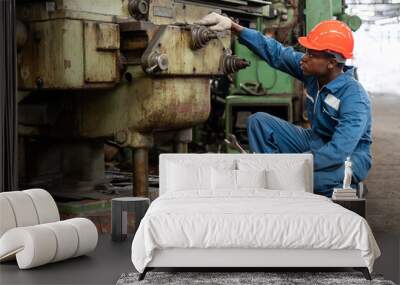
(269, 134)
(325, 181)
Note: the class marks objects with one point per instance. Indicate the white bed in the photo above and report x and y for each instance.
(209, 226)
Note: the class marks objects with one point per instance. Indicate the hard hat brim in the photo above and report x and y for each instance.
(307, 44)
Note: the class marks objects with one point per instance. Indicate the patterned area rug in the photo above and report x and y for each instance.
(233, 278)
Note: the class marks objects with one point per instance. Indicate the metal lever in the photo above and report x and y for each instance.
(233, 143)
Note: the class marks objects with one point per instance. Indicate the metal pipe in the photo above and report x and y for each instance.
(181, 140)
(180, 147)
(140, 172)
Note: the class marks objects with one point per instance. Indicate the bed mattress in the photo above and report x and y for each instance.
(250, 219)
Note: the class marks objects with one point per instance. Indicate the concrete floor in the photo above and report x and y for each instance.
(110, 259)
(383, 201)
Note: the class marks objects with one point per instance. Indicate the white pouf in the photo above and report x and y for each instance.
(31, 230)
(7, 220)
(23, 208)
(45, 205)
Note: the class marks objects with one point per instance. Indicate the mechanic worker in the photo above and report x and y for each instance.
(338, 107)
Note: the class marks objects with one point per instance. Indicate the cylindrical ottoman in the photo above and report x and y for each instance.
(120, 208)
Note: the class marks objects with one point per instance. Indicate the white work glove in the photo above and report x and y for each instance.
(216, 22)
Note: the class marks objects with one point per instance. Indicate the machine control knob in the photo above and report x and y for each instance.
(138, 8)
(232, 63)
(200, 36)
(156, 62)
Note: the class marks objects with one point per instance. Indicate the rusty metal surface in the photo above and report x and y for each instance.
(174, 104)
(134, 25)
(135, 37)
(48, 57)
(137, 43)
(101, 42)
(167, 12)
(82, 10)
(147, 105)
(176, 41)
(72, 54)
(83, 59)
(107, 36)
(69, 54)
(134, 139)
(171, 105)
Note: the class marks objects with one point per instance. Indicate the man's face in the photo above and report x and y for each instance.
(317, 63)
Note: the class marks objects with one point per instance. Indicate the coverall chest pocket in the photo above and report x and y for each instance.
(330, 114)
(330, 107)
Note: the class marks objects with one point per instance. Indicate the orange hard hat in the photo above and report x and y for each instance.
(330, 35)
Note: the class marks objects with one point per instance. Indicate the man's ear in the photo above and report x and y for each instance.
(331, 64)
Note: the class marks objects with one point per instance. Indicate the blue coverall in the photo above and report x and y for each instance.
(339, 113)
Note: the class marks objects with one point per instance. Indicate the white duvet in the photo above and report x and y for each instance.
(250, 219)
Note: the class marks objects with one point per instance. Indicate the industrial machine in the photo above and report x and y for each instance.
(90, 71)
(139, 73)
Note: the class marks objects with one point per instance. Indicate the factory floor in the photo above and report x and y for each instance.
(110, 259)
(383, 201)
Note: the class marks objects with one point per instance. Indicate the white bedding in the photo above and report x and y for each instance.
(252, 218)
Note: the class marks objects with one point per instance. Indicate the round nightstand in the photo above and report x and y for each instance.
(120, 208)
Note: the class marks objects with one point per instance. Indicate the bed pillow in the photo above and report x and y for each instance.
(230, 180)
(251, 178)
(182, 177)
(289, 176)
(285, 174)
(223, 179)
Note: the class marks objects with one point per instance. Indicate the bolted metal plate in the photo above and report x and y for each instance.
(100, 65)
